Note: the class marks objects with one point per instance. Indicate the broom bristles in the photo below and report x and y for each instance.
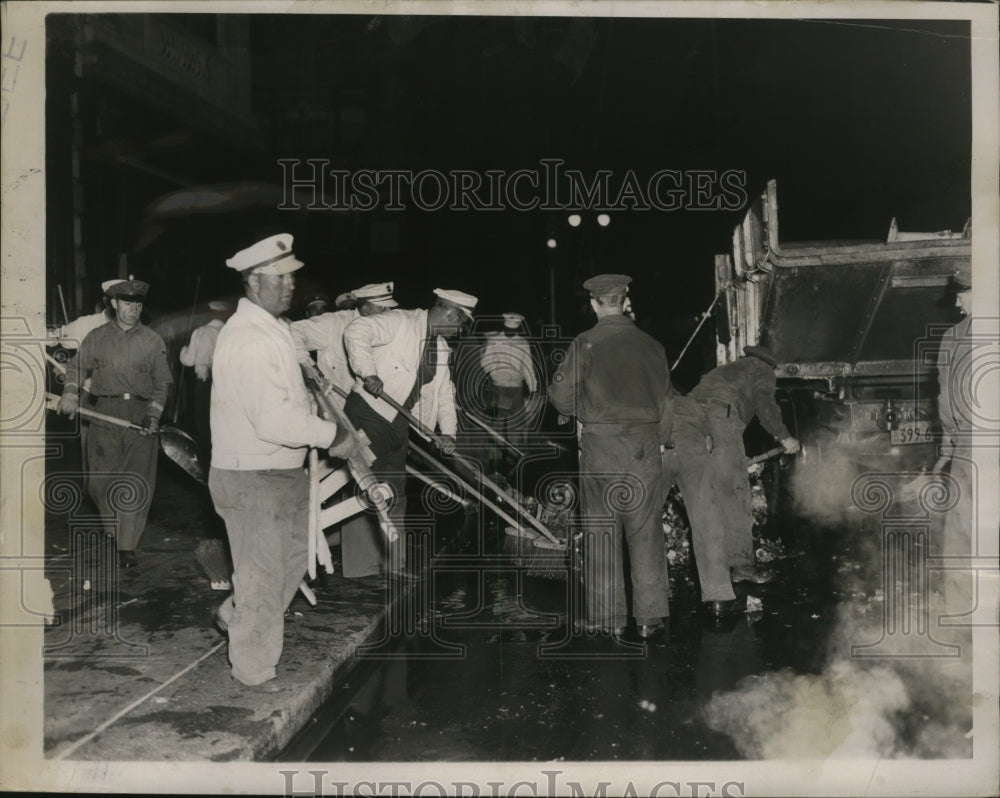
(211, 556)
(538, 556)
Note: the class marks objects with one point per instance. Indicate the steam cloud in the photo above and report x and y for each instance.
(880, 707)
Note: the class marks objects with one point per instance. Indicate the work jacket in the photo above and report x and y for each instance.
(199, 352)
(389, 345)
(261, 415)
(741, 390)
(324, 334)
(507, 359)
(123, 363)
(615, 380)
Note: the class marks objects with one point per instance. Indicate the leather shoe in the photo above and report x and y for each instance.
(720, 609)
(127, 559)
(651, 632)
(270, 686)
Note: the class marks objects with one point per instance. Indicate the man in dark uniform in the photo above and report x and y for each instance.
(616, 381)
(127, 364)
(691, 465)
(732, 394)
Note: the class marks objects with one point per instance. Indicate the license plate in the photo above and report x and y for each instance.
(911, 432)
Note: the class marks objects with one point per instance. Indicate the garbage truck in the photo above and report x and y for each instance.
(855, 327)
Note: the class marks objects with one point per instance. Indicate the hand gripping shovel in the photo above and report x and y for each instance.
(175, 443)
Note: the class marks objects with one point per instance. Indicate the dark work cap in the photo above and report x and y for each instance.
(962, 279)
(607, 284)
(129, 291)
(761, 353)
(317, 299)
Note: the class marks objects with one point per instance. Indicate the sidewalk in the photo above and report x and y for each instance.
(135, 668)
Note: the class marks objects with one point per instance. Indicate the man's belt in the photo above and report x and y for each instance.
(120, 396)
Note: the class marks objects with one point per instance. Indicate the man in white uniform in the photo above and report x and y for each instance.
(324, 334)
(403, 354)
(69, 336)
(198, 354)
(262, 427)
(506, 358)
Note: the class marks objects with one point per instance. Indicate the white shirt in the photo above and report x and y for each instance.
(199, 351)
(72, 334)
(324, 334)
(507, 359)
(389, 346)
(261, 414)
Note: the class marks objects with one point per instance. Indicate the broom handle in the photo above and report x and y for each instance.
(496, 435)
(423, 430)
(53, 400)
(438, 487)
(62, 302)
(448, 472)
(313, 515)
(359, 468)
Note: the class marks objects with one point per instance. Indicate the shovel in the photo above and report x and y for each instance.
(431, 436)
(175, 443)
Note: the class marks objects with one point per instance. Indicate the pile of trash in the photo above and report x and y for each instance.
(676, 531)
(677, 528)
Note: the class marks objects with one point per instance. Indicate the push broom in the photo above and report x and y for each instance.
(531, 545)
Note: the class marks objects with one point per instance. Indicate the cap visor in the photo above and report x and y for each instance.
(283, 266)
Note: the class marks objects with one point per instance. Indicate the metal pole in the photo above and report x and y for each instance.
(552, 289)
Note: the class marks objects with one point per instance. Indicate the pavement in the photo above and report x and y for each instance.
(135, 668)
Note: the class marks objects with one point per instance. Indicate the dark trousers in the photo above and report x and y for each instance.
(689, 466)
(732, 485)
(621, 481)
(364, 548)
(121, 467)
(507, 419)
(202, 412)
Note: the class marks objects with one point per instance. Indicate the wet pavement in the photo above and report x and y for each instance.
(517, 693)
(135, 668)
(479, 663)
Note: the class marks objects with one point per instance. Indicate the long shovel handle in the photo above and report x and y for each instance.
(760, 458)
(423, 430)
(415, 422)
(465, 484)
(436, 486)
(525, 516)
(493, 433)
(53, 401)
